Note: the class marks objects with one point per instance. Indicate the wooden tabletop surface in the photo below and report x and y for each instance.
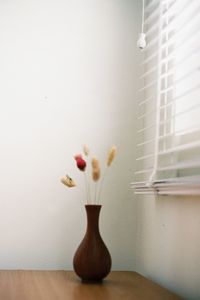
(65, 285)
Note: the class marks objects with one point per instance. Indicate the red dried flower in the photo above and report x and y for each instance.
(80, 162)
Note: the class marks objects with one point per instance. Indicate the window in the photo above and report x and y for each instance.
(169, 109)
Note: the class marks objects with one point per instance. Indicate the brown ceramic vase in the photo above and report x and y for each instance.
(92, 260)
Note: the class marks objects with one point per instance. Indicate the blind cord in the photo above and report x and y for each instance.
(142, 16)
(141, 43)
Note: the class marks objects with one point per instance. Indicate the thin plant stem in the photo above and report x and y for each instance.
(87, 189)
(96, 193)
(87, 182)
(89, 193)
(101, 185)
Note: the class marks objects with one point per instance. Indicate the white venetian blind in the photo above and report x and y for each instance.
(168, 146)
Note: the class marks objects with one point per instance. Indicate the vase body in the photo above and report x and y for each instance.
(92, 260)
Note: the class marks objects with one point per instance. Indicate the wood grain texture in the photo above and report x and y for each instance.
(65, 285)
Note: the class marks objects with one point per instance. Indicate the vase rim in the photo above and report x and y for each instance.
(97, 205)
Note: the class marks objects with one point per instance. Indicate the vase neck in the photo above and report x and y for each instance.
(93, 212)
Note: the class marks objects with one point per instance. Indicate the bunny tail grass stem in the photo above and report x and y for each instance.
(96, 193)
(87, 189)
(101, 185)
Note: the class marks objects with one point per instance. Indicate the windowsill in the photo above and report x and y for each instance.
(175, 186)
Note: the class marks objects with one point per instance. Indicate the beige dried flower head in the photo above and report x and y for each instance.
(86, 150)
(68, 181)
(95, 169)
(95, 163)
(96, 174)
(111, 155)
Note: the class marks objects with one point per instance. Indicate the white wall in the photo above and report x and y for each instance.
(168, 242)
(68, 76)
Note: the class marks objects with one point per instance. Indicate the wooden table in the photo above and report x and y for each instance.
(64, 285)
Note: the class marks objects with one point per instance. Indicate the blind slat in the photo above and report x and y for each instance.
(182, 165)
(180, 148)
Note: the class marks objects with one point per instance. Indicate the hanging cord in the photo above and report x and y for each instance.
(142, 16)
(141, 43)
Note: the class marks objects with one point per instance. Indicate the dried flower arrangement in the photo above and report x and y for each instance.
(82, 164)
